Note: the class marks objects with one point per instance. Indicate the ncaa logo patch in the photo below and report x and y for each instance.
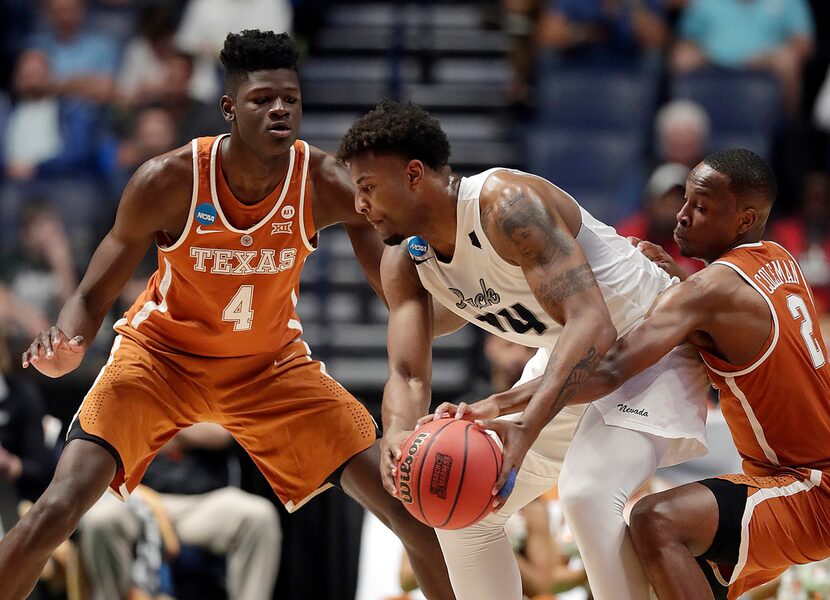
(206, 214)
(417, 246)
(287, 212)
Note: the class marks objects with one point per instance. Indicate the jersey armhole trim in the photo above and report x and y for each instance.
(303, 184)
(193, 199)
(776, 330)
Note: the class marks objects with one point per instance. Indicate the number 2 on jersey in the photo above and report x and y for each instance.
(239, 311)
(798, 310)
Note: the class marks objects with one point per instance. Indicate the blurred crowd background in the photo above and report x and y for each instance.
(613, 100)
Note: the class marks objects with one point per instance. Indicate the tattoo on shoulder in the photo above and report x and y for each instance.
(529, 225)
(567, 284)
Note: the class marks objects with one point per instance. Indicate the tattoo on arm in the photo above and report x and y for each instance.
(567, 284)
(529, 225)
(578, 375)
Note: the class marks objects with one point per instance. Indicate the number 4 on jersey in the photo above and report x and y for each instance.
(239, 311)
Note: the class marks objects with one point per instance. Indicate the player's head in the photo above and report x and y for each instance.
(262, 89)
(728, 199)
(396, 153)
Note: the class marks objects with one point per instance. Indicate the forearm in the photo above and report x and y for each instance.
(579, 349)
(517, 398)
(81, 316)
(405, 400)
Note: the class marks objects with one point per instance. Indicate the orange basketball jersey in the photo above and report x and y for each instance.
(778, 405)
(228, 286)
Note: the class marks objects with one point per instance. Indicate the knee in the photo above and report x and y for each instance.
(577, 495)
(652, 525)
(259, 515)
(102, 520)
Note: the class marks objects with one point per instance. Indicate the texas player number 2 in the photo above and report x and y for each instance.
(239, 311)
(798, 310)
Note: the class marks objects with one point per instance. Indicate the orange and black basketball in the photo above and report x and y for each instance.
(446, 473)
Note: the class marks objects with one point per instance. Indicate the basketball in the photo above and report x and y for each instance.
(446, 473)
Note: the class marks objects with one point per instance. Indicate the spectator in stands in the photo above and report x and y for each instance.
(757, 34)
(192, 475)
(205, 24)
(25, 461)
(42, 272)
(153, 132)
(681, 130)
(604, 30)
(83, 62)
(46, 135)
(807, 236)
(655, 222)
(192, 117)
(520, 23)
(142, 73)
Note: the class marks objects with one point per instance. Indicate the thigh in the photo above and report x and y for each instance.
(297, 423)
(609, 462)
(136, 404)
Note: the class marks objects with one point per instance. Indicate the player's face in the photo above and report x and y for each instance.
(267, 110)
(709, 220)
(382, 194)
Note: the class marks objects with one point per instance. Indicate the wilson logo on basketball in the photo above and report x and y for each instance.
(440, 475)
(405, 468)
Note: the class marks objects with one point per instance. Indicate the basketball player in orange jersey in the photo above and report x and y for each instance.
(215, 336)
(751, 315)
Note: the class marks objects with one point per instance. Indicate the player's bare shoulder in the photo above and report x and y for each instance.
(159, 193)
(521, 217)
(333, 199)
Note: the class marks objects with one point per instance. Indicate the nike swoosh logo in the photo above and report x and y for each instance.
(284, 360)
(203, 231)
(422, 260)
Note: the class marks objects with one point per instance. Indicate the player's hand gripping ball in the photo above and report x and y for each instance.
(447, 471)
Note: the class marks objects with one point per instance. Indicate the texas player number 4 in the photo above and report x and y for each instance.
(239, 311)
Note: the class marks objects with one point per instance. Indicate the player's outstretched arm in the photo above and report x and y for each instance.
(409, 342)
(147, 204)
(677, 313)
(522, 220)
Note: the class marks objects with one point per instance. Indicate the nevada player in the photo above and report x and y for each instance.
(518, 257)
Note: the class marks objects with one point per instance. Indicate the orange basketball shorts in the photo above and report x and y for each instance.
(786, 521)
(296, 422)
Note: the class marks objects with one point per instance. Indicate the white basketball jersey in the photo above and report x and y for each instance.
(483, 288)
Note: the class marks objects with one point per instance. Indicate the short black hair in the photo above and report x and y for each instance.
(748, 173)
(254, 50)
(400, 128)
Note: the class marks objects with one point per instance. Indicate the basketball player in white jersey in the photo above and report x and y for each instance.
(517, 256)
